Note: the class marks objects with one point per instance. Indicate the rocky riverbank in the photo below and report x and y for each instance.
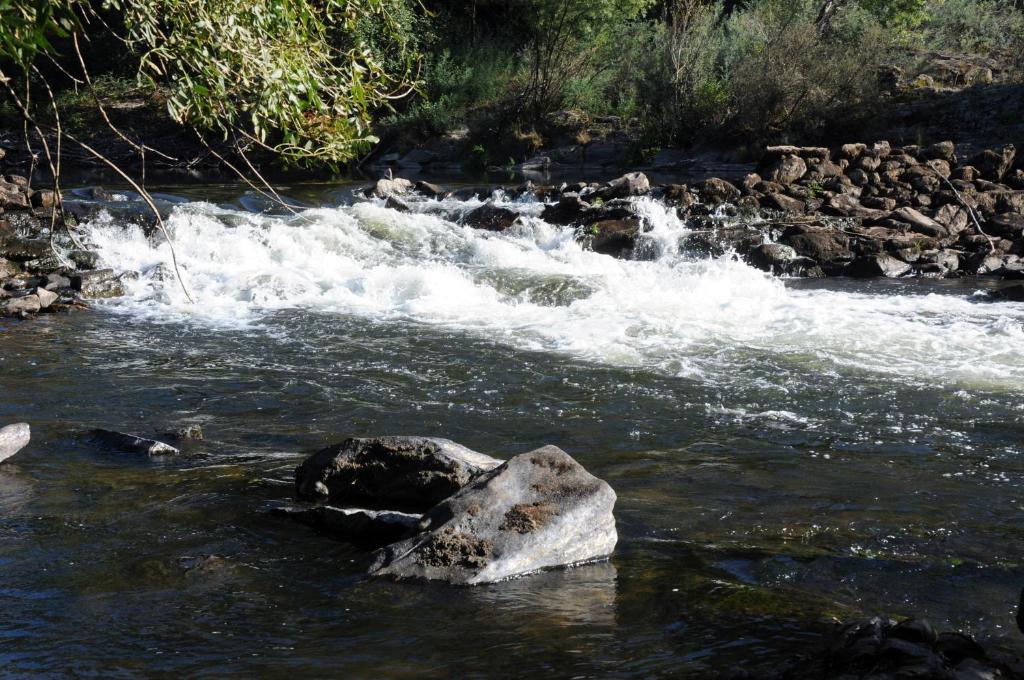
(860, 210)
(43, 269)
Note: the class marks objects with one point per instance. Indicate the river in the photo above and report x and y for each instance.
(783, 451)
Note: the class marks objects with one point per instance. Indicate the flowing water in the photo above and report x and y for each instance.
(784, 452)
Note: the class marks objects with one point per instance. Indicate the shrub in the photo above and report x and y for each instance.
(987, 27)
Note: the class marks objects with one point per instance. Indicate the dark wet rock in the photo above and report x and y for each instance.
(44, 198)
(396, 204)
(13, 438)
(358, 525)
(406, 473)
(878, 265)
(1020, 602)
(570, 209)
(632, 184)
(1013, 293)
(915, 630)
(1010, 225)
(23, 250)
(98, 194)
(97, 283)
(714, 191)
(679, 195)
(131, 443)
(881, 648)
(185, 433)
(538, 510)
(781, 259)
(992, 164)
(779, 201)
(615, 237)
(490, 217)
(84, 259)
(202, 563)
(940, 150)
(828, 247)
(430, 190)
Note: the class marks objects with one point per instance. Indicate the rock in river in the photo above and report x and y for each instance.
(13, 438)
(358, 525)
(538, 510)
(131, 443)
(407, 473)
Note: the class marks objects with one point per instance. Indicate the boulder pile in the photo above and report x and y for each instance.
(859, 210)
(34, 278)
(443, 512)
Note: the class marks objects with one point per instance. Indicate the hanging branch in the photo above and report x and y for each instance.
(139, 148)
(55, 173)
(30, 119)
(966, 206)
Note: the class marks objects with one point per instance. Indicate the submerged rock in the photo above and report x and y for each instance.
(412, 473)
(882, 648)
(13, 438)
(538, 510)
(358, 525)
(185, 433)
(132, 443)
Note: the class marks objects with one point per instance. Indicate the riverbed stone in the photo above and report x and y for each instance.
(714, 191)
(358, 525)
(879, 265)
(20, 306)
(785, 170)
(13, 438)
(919, 222)
(539, 510)
(97, 283)
(490, 217)
(403, 473)
(131, 443)
(46, 297)
(631, 184)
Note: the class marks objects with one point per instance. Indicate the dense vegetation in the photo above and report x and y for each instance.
(310, 80)
(687, 70)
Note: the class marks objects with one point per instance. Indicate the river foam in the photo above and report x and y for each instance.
(534, 287)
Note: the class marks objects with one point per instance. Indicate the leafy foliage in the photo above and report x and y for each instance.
(294, 75)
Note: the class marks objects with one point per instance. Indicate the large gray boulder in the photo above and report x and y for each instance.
(405, 473)
(538, 510)
(13, 438)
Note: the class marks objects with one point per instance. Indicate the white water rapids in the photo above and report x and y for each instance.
(535, 287)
